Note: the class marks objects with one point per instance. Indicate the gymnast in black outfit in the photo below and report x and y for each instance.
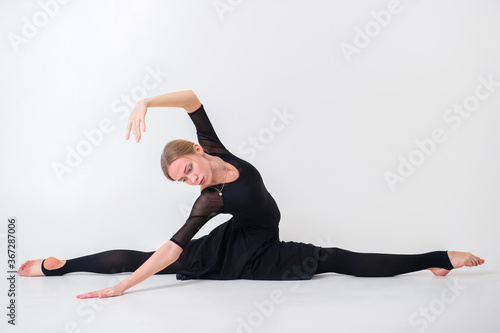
(247, 246)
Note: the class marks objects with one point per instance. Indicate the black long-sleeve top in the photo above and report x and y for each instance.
(245, 198)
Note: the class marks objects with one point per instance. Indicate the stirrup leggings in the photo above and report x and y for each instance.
(334, 260)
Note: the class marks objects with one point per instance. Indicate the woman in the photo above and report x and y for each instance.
(245, 247)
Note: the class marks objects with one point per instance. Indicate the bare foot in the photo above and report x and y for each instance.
(458, 259)
(34, 267)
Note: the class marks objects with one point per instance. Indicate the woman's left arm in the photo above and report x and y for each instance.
(186, 99)
(163, 257)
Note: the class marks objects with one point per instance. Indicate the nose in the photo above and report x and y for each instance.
(193, 179)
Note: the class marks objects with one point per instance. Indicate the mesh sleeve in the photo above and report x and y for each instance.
(207, 138)
(208, 205)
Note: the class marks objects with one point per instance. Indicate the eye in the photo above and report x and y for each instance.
(187, 172)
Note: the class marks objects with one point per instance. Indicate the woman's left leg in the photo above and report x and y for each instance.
(300, 261)
(341, 261)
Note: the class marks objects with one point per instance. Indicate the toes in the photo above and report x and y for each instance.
(475, 260)
(25, 264)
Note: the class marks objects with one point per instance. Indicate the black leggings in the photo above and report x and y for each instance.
(376, 264)
(109, 262)
(330, 260)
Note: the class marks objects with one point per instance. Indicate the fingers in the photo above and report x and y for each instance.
(137, 117)
(135, 126)
(94, 294)
(127, 132)
(103, 293)
(82, 296)
(137, 131)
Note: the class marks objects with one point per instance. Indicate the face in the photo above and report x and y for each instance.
(191, 169)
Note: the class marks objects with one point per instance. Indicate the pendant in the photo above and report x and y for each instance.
(220, 194)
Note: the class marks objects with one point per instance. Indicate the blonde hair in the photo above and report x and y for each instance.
(172, 151)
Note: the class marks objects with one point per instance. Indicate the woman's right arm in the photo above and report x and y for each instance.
(162, 258)
(186, 99)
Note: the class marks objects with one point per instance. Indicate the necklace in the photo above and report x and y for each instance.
(220, 192)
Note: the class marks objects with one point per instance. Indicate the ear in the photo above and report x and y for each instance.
(198, 149)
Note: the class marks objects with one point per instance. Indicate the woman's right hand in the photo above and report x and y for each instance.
(137, 117)
(103, 293)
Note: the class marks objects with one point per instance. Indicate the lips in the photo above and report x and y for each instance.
(202, 181)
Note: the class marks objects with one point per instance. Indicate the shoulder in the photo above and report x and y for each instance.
(209, 201)
(207, 194)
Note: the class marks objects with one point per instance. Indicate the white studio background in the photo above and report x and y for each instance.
(324, 98)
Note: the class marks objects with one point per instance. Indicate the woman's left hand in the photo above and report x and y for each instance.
(103, 293)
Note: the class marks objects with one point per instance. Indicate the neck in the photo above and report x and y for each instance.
(218, 167)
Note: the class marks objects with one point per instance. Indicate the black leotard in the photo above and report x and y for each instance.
(235, 248)
(246, 198)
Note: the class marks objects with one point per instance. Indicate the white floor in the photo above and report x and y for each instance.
(467, 300)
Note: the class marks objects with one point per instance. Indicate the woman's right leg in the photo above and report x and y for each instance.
(108, 262)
